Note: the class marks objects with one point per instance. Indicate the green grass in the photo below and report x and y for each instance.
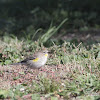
(77, 78)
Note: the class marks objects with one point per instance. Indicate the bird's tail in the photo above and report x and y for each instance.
(19, 63)
(16, 63)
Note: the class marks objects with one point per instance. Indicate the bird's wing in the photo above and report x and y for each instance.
(28, 58)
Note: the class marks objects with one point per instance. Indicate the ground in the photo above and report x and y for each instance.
(71, 72)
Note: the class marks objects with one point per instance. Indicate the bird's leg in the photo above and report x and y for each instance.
(26, 70)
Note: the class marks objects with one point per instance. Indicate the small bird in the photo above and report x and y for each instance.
(36, 61)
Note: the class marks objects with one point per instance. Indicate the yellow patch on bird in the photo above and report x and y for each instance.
(46, 55)
(35, 60)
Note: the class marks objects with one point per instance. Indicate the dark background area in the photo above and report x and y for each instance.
(26, 16)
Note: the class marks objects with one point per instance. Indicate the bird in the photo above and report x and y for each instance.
(35, 61)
